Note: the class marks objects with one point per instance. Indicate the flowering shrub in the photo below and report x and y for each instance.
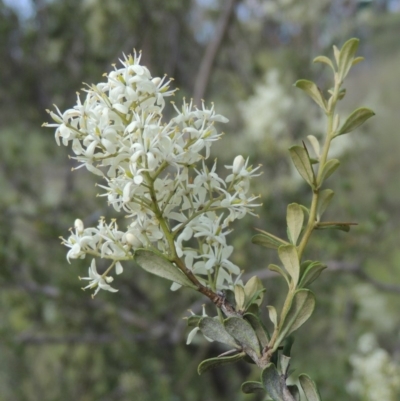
(179, 210)
(154, 173)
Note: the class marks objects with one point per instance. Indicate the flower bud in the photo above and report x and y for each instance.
(238, 164)
(134, 241)
(79, 227)
(156, 81)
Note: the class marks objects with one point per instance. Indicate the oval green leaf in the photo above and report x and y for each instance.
(220, 361)
(346, 57)
(311, 273)
(279, 270)
(261, 332)
(334, 226)
(313, 91)
(268, 240)
(240, 297)
(309, 388)
(302, 163)
(294, 219)
(272, 382)
(355, 119)
(254, 291)
(161, 267)
(252, 387)
(290, 259)
(324, 200)
(214, 330)
(328, 169)
(325, 60)
(301, 309)
(244, 334)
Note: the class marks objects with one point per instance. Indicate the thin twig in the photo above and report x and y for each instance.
(203, 76)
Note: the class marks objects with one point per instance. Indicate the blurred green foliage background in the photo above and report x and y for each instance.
(56, 343)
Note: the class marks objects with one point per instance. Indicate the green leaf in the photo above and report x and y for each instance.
(313, 91)
(357, 60)
(214, 330)
(346, 57)
(259, 329)
(324, 200)
(243, 333)
(253, 289)
(309, 388)
(305, 210)
(355, 119)
(328, 169)
(334, 226)
(336, 54)
(287, 345)
(240, 297)
(273, 315)
(302, 163)
(304, 266)
(290, 259)
(294, 219)
(315, 144)
(252, 387)
(325, 60)
(311, 273)
(220, 361)
(301, 309)
(267, 240)
(279, 270)
(161, 267)
(272, 382)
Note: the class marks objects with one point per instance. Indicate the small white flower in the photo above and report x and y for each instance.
(97, 281)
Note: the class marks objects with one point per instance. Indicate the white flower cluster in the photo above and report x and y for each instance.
(155, 174)
(376, 376)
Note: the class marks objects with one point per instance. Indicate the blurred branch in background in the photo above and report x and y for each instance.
(203, 76)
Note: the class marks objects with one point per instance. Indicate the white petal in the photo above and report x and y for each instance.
(191, 335)
(118, 268)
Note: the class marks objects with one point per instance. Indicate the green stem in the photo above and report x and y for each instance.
(312, 218)
(218, 300)
(323, 158)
